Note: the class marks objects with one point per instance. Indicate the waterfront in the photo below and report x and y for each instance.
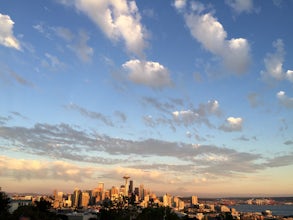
(281, 210)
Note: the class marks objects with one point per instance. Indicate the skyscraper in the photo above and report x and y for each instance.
(141, 191)
(130, 187)
(76, 198)
(85, 199)
(194, 200)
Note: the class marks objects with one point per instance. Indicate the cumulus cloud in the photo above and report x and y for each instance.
(7, 37)
(232, 124)
(285, 100)
(118, 20)
(208, 31)
(240, 6)
(289, 75)
(179, 4)
(274, 61)
(148, 73)
(274, 64)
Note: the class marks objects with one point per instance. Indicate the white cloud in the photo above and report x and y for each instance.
(208, 31)
(119, 20)
(241, 5)
(179, 4)
(152, 74)
(274, 64)
(232, 124)
(285, 100)
(7, 38)
(289, 75)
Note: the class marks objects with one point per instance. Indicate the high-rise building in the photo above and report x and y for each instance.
(114, 192)
(194, 200)
(58, 199)
(101, 186)
(130, 187)
(141, 191)
(76, 198)
(85, 199)
(122, 190)
(136, 191)
(167, 200)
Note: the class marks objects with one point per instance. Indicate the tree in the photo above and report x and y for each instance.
(4, 204)
(43, 205)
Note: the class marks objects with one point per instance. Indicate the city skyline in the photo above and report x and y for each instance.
(187, 97)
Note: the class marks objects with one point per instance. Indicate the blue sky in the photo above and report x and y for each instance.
(189, 97)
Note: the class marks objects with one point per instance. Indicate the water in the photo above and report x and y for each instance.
(282, 210)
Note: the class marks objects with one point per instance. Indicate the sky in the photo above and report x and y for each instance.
(186, 97)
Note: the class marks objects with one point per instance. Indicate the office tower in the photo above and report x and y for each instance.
(130, 190)
(76, 198)
(68, 201)
(141, 191)
(107, 194)
(194, 200)
(58, 199)
(136, 191)
(122, 190)
(167, 200)
(114, 192)
(101, 187)
(85, 199)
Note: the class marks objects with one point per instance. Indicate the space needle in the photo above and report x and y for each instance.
(126, 177)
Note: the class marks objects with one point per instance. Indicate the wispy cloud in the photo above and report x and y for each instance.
(90, 114)
(9, 75)
(240, 6)
(52, 62)
(81, 48)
